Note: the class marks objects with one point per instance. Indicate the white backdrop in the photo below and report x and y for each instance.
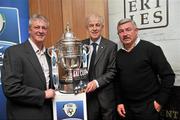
(165, 33)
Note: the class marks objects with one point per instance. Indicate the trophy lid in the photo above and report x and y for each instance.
(68, 38)
(68, 35)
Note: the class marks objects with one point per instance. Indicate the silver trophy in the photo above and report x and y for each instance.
(71, 55)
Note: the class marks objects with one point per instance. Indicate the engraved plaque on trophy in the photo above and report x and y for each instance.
(71, 55)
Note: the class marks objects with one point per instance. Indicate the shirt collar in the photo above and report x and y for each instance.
(97, 41)
(35, 48)
(136, 42)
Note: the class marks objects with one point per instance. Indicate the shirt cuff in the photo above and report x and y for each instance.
(97, 84)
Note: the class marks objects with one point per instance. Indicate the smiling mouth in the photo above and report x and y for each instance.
(94, 32)
(126, 39)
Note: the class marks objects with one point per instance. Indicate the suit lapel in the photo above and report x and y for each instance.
(30, 54)
(100, 51)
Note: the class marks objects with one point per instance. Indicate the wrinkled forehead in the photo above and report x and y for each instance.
(94, 19)
(126, 25)
(39, 22)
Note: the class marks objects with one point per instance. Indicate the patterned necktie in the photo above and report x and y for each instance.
(91, 67)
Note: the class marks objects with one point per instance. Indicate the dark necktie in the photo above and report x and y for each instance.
(91, 67)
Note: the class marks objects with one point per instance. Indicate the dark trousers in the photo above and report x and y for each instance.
(141, 111)
(96, 111)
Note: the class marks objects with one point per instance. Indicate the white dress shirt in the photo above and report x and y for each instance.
(42, 60)
(90, 54)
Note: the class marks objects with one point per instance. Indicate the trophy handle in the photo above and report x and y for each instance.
(51, 50)
(86, 48)
(85, 53)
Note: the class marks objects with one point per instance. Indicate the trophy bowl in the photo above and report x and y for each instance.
(70, 54)
(70, 57)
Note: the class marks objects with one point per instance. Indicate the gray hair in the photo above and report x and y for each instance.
(35, 17)
(126, 20)
(94, 15)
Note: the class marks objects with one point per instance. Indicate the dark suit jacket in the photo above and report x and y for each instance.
(105, 71)
(24, 83)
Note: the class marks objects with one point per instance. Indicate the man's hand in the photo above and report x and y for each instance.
(121, 110)
(91, 86)
(50, 93)
(157, 106)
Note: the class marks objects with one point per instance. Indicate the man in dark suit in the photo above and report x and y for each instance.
(26, 75)
(100, 89)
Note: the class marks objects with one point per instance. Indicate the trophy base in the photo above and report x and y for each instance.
(66, 88)
(66, 85)
(74, 84)
(75, 87)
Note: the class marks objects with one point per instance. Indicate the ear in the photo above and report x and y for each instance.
(136, 29)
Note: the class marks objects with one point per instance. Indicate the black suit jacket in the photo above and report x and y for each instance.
(105, 71)
(24, 83)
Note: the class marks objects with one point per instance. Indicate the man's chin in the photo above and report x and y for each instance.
(125, 41)
(95, 37)
(40, 38)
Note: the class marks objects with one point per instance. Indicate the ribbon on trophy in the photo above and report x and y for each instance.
(84, 59)
(54, 64)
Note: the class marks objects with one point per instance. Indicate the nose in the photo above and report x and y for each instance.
(94, 27)
(123, 33)
(42, 30)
